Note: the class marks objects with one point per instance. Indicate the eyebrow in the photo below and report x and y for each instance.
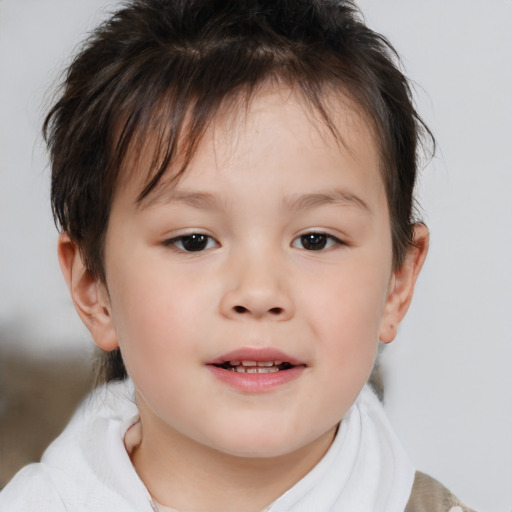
(209, 201)
(199, 200)
(314, 200)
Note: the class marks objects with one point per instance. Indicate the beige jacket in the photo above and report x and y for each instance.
(428, 495)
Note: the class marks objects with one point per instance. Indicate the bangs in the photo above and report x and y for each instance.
(152, 79)
(165, 121)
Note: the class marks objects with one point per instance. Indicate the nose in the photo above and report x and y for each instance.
(257, 289)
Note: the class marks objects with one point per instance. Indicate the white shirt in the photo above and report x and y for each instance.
(88, 469)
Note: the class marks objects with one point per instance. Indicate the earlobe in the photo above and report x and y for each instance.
(402, 285)
(89, 294)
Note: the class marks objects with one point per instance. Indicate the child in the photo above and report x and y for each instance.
(234, 183)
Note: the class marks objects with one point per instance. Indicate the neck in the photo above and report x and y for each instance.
(186, 475)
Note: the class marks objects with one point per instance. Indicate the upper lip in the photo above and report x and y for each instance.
(257, 354)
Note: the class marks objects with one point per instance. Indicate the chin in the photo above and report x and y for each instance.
(263, 442)
(259, 452)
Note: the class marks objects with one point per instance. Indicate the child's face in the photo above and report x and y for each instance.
(274, 246)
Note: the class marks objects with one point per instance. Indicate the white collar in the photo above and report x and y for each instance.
(366, 468)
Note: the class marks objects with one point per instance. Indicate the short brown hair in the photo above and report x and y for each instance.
(155, 63)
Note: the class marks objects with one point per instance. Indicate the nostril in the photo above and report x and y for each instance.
(272, 311)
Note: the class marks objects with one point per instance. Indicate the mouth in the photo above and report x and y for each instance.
(255, 366)
(256, 369)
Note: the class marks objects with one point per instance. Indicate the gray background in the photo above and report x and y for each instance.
(448, 377)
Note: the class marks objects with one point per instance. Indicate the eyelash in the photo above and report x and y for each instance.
(329, 241)
(181, 240)
(323, 241)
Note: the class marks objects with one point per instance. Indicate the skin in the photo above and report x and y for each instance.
(256, 185)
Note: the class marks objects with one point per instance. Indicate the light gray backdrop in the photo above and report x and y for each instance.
(448, 374)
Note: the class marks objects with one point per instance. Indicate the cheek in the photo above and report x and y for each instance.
(152, 314)
(351, 303)
(346, 313)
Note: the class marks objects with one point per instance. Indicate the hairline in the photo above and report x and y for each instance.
(235, 106)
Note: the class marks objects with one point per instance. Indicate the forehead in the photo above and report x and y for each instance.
(272, 116)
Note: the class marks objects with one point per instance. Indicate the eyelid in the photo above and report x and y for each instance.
(175, 240)
(333, 238)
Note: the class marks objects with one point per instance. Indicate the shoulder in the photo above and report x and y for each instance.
(428, 495)
(86, 469)
(31, 489)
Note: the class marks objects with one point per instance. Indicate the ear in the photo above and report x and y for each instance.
(402, 285)
(89, 294)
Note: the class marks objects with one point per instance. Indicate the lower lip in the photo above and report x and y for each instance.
(256, 382)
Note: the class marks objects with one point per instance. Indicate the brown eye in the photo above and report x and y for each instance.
(193, 243)
(315, 241)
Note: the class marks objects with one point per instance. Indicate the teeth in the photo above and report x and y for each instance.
(254, 369)
(256, 366)
(255, 363)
